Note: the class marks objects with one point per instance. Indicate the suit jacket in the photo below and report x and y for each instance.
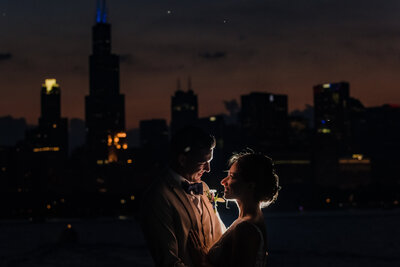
(167, 217)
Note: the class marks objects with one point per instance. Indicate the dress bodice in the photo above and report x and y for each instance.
(220, 254)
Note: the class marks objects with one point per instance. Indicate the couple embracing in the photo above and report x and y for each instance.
(179, 221)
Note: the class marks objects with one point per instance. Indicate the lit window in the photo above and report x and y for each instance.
(129, 161)
(121, 135)
(213, 118)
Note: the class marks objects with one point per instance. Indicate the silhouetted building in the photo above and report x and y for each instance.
(105, 106)
(264, 119)
(184, 109)
(154, 139)
(381, 142)
(332, 131)
(331, 113)
(52, 132)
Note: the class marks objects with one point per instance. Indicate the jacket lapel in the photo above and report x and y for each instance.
(185, 201)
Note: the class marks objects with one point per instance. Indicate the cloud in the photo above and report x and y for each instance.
(213, 55)
(5, 56)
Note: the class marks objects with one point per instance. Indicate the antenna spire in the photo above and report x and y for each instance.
(101, 11)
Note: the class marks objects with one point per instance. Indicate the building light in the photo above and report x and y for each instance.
(132, 197)
(102, 190)
(48, 206)
(123, 201)
(100, 162)
(125, 146)
(328, 200)
(62, 200)
(326, 85)
(50, 84)
(324, 130)
(271, 98)
(46, 149)
(118, 146)
(109, 140)
(116, 140)
(354, 161)
(69, 226)
(213, 118)
(129, 161)
(358, 156)
(121, 135)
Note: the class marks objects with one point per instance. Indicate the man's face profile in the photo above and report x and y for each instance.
(195, 164)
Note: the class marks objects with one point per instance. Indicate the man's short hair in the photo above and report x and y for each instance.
(190, 139)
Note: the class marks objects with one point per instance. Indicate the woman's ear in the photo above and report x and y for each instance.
(252, 186)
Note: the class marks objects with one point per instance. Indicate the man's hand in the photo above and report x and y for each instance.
(197, 250)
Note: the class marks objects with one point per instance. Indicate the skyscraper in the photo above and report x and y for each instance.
(52, 133)
(184, 108)
(104, 106)
(331, 110)
(332, 131)
(264, 118)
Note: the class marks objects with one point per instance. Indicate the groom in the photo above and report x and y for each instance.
(177, 202)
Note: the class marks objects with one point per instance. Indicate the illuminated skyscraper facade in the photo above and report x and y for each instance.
(184, 109)
(104, 106)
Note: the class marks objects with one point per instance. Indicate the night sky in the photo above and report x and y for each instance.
(228, 47)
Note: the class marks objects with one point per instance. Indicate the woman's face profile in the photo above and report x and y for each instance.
(232, 183)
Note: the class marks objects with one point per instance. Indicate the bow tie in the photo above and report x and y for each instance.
(196, 188)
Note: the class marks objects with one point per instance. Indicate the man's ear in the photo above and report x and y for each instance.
(182, 160)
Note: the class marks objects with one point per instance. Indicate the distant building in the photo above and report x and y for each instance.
(154, 133)
(331, 132)
(154, 139)
(331, 113)
(52, 132)
(264, 118)
(104, 106)
(184, 108)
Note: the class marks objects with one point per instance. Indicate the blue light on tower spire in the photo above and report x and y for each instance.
(101, 12)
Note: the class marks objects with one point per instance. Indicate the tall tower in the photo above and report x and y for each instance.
(264, 118)
(332, 131)
(331, 110)
(184, 108)
(52, 133)
(104, 106)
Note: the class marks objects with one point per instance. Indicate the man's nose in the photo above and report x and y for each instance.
(223, 181)
(207, 167)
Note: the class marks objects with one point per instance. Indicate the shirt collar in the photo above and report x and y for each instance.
(177, 177)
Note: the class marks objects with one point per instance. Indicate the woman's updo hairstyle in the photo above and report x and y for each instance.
(259, 169)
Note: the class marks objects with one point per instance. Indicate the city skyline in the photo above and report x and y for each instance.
(227, 48)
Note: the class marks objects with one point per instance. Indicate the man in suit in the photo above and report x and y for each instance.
(178, 201)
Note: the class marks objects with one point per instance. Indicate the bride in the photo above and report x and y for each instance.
(252, 182)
